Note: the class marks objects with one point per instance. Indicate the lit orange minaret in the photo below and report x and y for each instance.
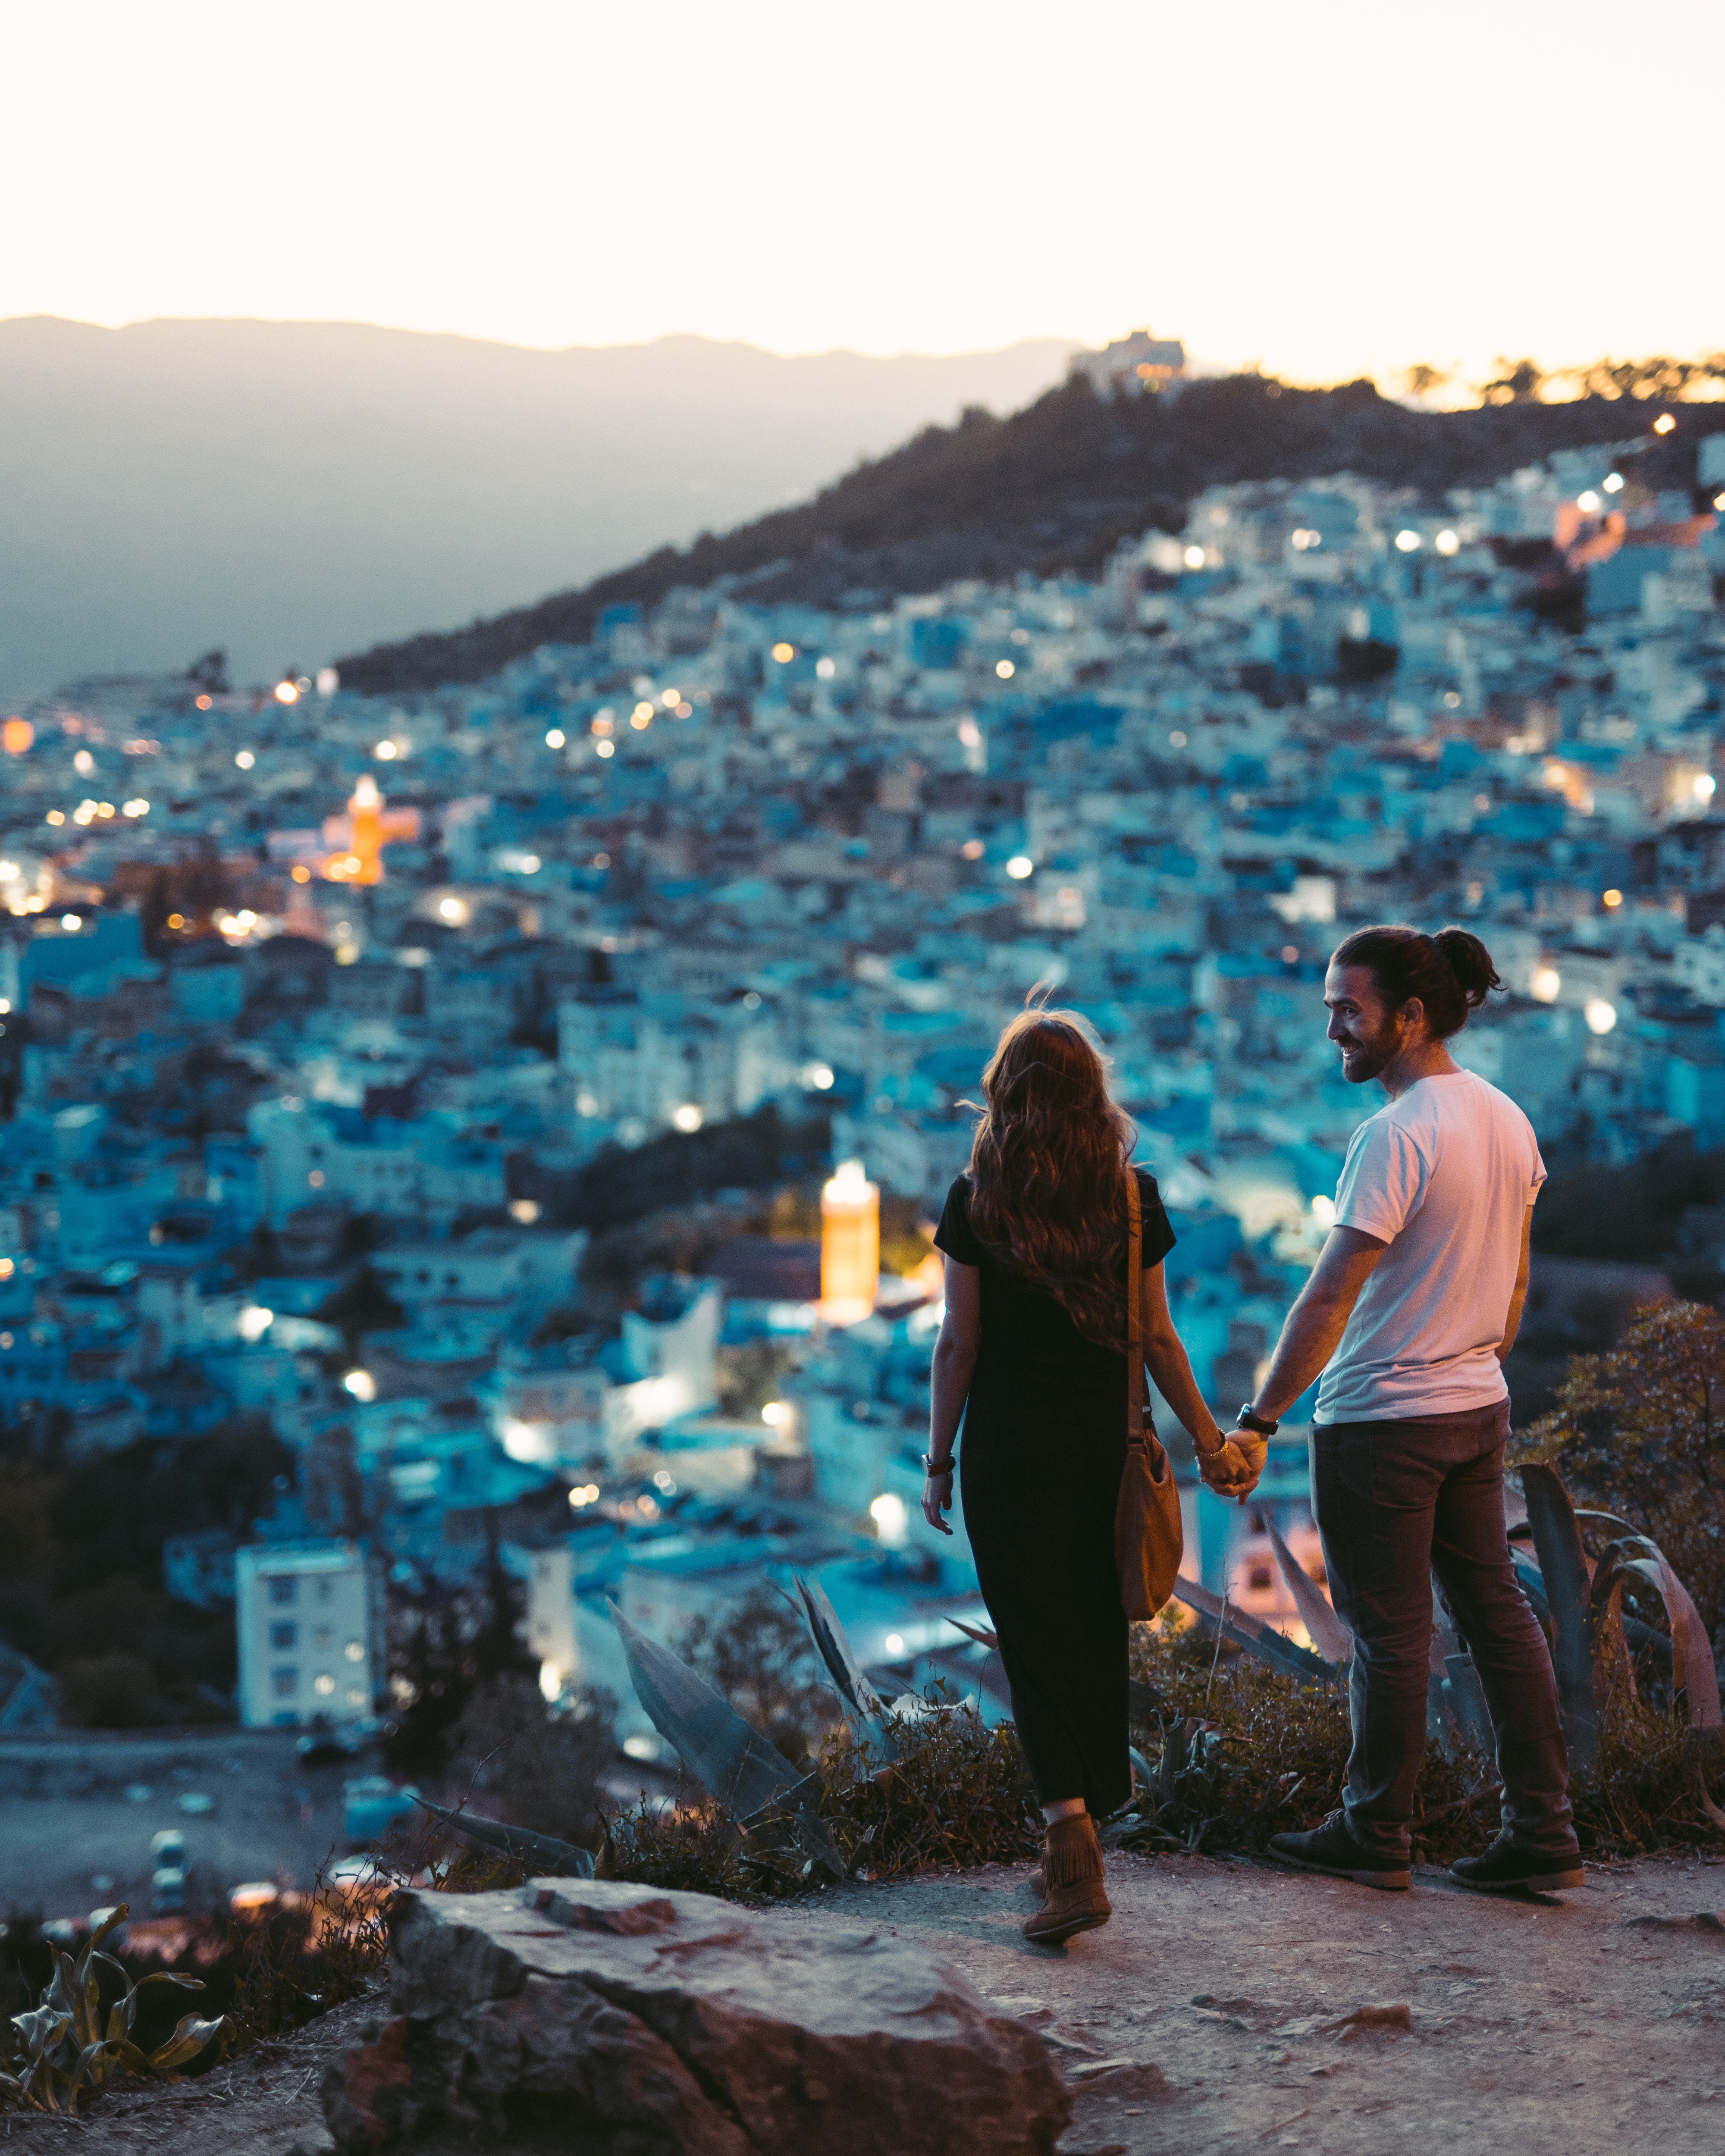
(367, 810)
(849, 1244)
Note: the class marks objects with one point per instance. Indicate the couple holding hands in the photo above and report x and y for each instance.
(1406, 1319)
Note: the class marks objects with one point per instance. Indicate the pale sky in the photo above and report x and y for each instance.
(1340, 187)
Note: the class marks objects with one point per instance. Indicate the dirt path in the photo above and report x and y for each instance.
(1546, 2028)
(1588, 2023)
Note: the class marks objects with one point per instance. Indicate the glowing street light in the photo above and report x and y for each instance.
(1600, 1015)
(1545, 985)
(892, 1518)
(1448, 542)
(1020, 866)
(1408, 542)
(1004, 669)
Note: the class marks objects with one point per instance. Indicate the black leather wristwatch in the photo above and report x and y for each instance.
(1256, 1424)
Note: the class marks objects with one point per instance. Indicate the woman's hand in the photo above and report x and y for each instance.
(937, 1498)
(1234, 1470)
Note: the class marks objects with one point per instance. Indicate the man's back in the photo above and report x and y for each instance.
(1443, 1175)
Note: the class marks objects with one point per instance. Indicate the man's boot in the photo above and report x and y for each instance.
(1073, 1899)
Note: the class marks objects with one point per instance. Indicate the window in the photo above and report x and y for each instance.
(325, 1589)
(356, 1652)
(322, 1637)
(284, 1588)
(283, 1635)
(1261, 1577)
(284, 1683)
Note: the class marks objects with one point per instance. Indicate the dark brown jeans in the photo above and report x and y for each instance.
(1396, 1502)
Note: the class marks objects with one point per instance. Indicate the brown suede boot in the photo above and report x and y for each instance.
(1071, 1883)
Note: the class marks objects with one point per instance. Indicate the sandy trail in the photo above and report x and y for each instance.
(1546, 2028)
(1587, 2023)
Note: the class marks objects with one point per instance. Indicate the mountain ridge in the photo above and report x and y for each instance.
(289, 489)
(1053, 486)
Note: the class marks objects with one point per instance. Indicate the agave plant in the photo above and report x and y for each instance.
(1583, 1607)
(770, 1801)
(66, 2047)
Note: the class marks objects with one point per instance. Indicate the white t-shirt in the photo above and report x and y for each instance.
(1445, 1176)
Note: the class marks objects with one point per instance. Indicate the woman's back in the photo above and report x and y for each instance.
(1027, 1335)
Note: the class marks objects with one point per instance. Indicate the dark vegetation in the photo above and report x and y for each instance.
(1052, 488)
(1640, 1214)
(80, 1567)
(450, 1650)
(621, 1185)
(1641, 1432)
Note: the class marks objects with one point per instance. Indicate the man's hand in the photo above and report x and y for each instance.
(937, 1498)
(1234, 1472)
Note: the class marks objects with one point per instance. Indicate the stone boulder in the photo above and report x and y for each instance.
(624, 2021)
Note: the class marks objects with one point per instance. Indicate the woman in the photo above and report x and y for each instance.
(1032, 1355)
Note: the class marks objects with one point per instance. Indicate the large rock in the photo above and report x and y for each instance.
(622, 2021)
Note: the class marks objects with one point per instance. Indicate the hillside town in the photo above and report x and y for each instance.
(535, 1099)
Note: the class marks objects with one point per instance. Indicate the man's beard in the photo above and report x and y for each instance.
(1367, 1058)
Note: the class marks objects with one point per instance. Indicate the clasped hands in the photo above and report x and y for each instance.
(1234, 1472)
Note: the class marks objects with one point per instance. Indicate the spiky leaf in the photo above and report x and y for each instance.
(1258, 1639)
(1329, 1634)
(731, 1760)
(190, 2037)
(565, 1859)
(1563, 1570)
(861, 1700)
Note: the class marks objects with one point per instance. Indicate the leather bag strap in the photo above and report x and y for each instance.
(1134, 1311)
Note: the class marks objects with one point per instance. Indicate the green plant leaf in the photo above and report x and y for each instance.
(1329, 1634)
(728, 1758)
(565, 1859)
(1692, 1669)
(188, 2039)
(1563, 1573)
(1258, 1639)
(858, 1697)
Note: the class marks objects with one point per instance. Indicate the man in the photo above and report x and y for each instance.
(1409, 1315)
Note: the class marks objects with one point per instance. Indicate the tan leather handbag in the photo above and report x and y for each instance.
(1149, 1540)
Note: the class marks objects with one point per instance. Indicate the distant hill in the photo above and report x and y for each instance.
(1054, 486)
(288, 490)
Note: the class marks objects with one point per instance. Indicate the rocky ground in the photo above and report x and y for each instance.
(1234, 2006)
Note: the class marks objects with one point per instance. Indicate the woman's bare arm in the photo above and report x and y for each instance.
(1223, 1466)
(955, 1353)
(1165, 1352)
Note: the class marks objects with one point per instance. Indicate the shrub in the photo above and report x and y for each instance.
(1641, 1432)
(535, 1766)
(959, 1793)
(761, 1659)
(1254, 1752)
(111, 1690)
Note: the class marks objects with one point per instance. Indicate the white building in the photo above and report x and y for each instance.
(310, 1630)
(521, 1271)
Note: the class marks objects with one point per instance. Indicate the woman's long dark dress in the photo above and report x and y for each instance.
(1044, 1445)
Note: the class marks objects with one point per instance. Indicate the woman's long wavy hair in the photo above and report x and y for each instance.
(1048, 1166)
